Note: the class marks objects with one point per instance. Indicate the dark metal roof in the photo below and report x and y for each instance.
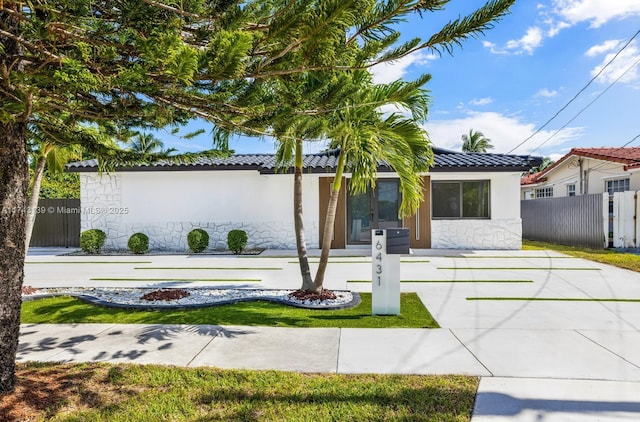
(325, 162)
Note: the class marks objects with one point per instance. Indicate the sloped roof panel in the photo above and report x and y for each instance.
(444, 160)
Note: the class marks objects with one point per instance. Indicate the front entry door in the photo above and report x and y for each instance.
(375, 209)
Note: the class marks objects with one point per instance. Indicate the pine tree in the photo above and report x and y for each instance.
(68, 66)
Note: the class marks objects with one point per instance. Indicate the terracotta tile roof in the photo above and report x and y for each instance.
(325, 162)
(629, 156)
(532, 179)
(626, 155)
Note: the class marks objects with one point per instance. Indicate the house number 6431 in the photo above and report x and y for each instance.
(379, 259)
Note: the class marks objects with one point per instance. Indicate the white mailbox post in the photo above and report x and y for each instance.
(386, 247)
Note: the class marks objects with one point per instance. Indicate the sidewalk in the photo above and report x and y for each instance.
(538, 360)
(513, 386)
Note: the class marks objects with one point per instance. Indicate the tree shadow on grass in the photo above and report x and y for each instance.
(449, 403)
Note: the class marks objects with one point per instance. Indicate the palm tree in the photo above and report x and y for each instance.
(546, 162)
(475, 142)
(146, 143)
(365, 136)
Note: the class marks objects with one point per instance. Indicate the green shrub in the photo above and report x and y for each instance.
(198, 240)
(92, 240)
(138, 243)
(237, 241)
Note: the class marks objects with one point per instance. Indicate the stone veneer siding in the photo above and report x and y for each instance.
(101, 205)
(476, 234)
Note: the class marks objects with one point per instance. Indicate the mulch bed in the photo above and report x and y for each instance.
(165, 294)
(302, 295)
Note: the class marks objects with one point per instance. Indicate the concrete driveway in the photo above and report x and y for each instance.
(574, 356)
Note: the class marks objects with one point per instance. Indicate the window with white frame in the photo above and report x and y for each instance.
(571, 190)
(544, 192)
(617, 185)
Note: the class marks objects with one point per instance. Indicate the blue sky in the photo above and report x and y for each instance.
(513, 79)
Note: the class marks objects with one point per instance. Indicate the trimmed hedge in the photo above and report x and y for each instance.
(198, 240)
(92, 240)
(138, 243)
(237, 241)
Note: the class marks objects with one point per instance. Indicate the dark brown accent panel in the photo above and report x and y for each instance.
(420, 225)
(339, 228)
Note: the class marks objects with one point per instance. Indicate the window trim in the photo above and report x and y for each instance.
(571, 190)
(621, 179)
(460, 182)
(546, 189)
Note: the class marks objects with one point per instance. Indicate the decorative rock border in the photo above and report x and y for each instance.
(74, 292)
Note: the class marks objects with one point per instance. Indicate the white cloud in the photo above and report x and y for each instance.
(556, 157)
(505, 132)
(546, 93)
(392, 71)
(565, 14)
(597, 12)
(481, 101)
(526, 44)
(596, 50)
(627, 61)
(555, 27)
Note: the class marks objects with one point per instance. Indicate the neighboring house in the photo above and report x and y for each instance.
(471, 201)
(586, 171)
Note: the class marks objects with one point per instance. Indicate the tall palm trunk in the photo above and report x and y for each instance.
(33, 199)
(301, 244)
(329, 221)
(14, 180)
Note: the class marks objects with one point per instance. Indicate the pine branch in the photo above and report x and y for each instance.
(30, 45)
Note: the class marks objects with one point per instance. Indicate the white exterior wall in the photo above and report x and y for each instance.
(502, 231)
(598, 172)
(166, 205)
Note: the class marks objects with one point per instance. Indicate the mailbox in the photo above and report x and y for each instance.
(397, 241)
(386, 247)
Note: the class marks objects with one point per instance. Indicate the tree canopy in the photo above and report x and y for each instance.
(74, 69)
(475, 141)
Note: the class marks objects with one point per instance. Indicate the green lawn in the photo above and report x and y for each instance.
(521, 268)
(114, 393)
(61, 310)
(222, 280)
(450, 281)
(605, 256)
(555, 299)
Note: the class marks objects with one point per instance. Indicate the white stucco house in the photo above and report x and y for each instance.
(584, 171)
(471, 201)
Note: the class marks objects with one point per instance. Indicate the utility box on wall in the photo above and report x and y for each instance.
(386, 247)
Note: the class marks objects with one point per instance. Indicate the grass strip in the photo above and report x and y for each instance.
(624, 260)
(249, 280)
(315, 261)
(556, 299)
(63, 310)
(209, 268)
(89, 262)
(127, 392)
(450, 281)
(504, 256)
(522, 268)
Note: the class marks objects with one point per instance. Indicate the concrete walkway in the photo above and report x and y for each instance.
(538, 360)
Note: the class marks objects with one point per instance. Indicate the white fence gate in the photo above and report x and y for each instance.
(622, 214)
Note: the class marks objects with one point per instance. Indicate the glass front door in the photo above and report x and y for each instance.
(375, 209)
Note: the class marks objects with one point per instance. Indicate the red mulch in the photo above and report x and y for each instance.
(28, 290)
(303, 295)
(165, 294)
